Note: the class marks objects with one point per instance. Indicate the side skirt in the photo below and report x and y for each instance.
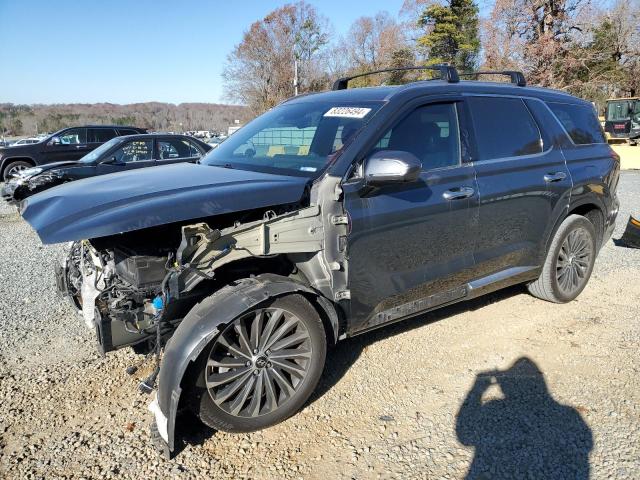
(474, 289)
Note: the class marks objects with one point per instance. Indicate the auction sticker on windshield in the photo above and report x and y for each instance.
(348, 112)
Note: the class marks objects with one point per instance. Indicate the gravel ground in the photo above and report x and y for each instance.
(410, 401)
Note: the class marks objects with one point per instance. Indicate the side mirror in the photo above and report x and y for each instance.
(55, 141)
(113, 160)
(391, 166)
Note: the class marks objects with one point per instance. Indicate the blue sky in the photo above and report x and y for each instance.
(126, 51)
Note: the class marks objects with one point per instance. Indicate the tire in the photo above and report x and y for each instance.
(14, 167)
(569, 262)
(219, 372)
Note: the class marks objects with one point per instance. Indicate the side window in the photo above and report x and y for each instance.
(100, 135)
(176, 148)
(194, 151)
(135, 151)
(429, 132)
(74, 136)
(503, 128)
(579, 121)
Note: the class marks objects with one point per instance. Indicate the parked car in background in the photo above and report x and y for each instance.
(116, 155)
(25, 141)
(68, 144)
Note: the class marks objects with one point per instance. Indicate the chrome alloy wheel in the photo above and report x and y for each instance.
(574, 258)
(258, 362)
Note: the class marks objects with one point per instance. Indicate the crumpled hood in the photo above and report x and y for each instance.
(137, 199)
(50, 166)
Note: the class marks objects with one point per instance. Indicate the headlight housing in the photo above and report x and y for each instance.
(44, 178)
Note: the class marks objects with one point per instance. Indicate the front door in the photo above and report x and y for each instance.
(132, 154)
(410, 247)
(71, 144)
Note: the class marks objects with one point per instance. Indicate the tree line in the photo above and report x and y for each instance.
(156, 116)
(587, 49)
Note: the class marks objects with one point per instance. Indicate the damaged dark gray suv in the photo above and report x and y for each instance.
(328, 216)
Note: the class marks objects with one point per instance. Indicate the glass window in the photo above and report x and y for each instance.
(127, 131)
(176, 148)
(298, 138)
(73, 136)
(429, 132)
(100, 135)
(135, 151)
(580, 122)
(504, 128)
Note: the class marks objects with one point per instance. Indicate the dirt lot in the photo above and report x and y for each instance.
(408, 401)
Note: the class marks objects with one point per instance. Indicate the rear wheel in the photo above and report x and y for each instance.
(14, 167)
(569, 262)
(262, 367)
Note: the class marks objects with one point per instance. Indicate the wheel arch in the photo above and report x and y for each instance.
(589, 208)
(20, 158)
(199, 328)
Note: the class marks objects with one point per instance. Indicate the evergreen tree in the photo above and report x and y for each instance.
(451, 33)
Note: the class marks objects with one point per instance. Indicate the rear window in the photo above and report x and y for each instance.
(580, 122)
(504, 128)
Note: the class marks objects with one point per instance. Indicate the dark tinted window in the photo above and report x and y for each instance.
(134, 151)
(127, 131)
(504, 128)
(580, 122)
(100, 135)
(429, 132)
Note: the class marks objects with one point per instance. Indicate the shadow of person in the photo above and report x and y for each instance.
(525, 433)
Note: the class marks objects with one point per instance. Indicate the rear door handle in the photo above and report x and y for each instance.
(555, 177)
(458, 193)
(80, 146)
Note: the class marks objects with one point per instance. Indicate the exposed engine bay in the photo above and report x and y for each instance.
(135, 288)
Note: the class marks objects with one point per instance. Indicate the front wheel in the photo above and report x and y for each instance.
(262, 367)
(14, 168)
(569, 262)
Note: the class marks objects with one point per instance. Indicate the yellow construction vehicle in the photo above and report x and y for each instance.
(622, 120)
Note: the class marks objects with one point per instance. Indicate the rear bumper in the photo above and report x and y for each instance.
(610, 223)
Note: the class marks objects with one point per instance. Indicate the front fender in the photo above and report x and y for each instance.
(200, 327)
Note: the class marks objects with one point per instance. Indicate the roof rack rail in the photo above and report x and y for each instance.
(447, 72)
(515, 77)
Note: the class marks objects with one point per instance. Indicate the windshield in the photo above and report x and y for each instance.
(94, 155)
(297, 139)
(622, 109)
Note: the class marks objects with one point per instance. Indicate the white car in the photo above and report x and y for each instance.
(26, 141)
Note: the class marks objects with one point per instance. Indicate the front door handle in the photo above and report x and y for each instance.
(80, 146)
(458, 193)
(555, 177)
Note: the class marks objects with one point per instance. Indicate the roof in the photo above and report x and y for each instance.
(385, 93)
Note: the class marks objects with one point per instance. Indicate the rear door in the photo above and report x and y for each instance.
(97, 136)
(411, 246)
(523, 182)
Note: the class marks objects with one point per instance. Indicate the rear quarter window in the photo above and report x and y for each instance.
(579, 121)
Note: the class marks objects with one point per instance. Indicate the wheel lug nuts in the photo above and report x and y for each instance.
(268, 364)
(268, 352)
(255, 350)
(248, 364)
(256, 372)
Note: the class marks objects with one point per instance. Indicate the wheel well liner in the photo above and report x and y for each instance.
(199, 327)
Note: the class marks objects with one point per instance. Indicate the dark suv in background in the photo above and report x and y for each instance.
(68, 144)
(328, 216)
